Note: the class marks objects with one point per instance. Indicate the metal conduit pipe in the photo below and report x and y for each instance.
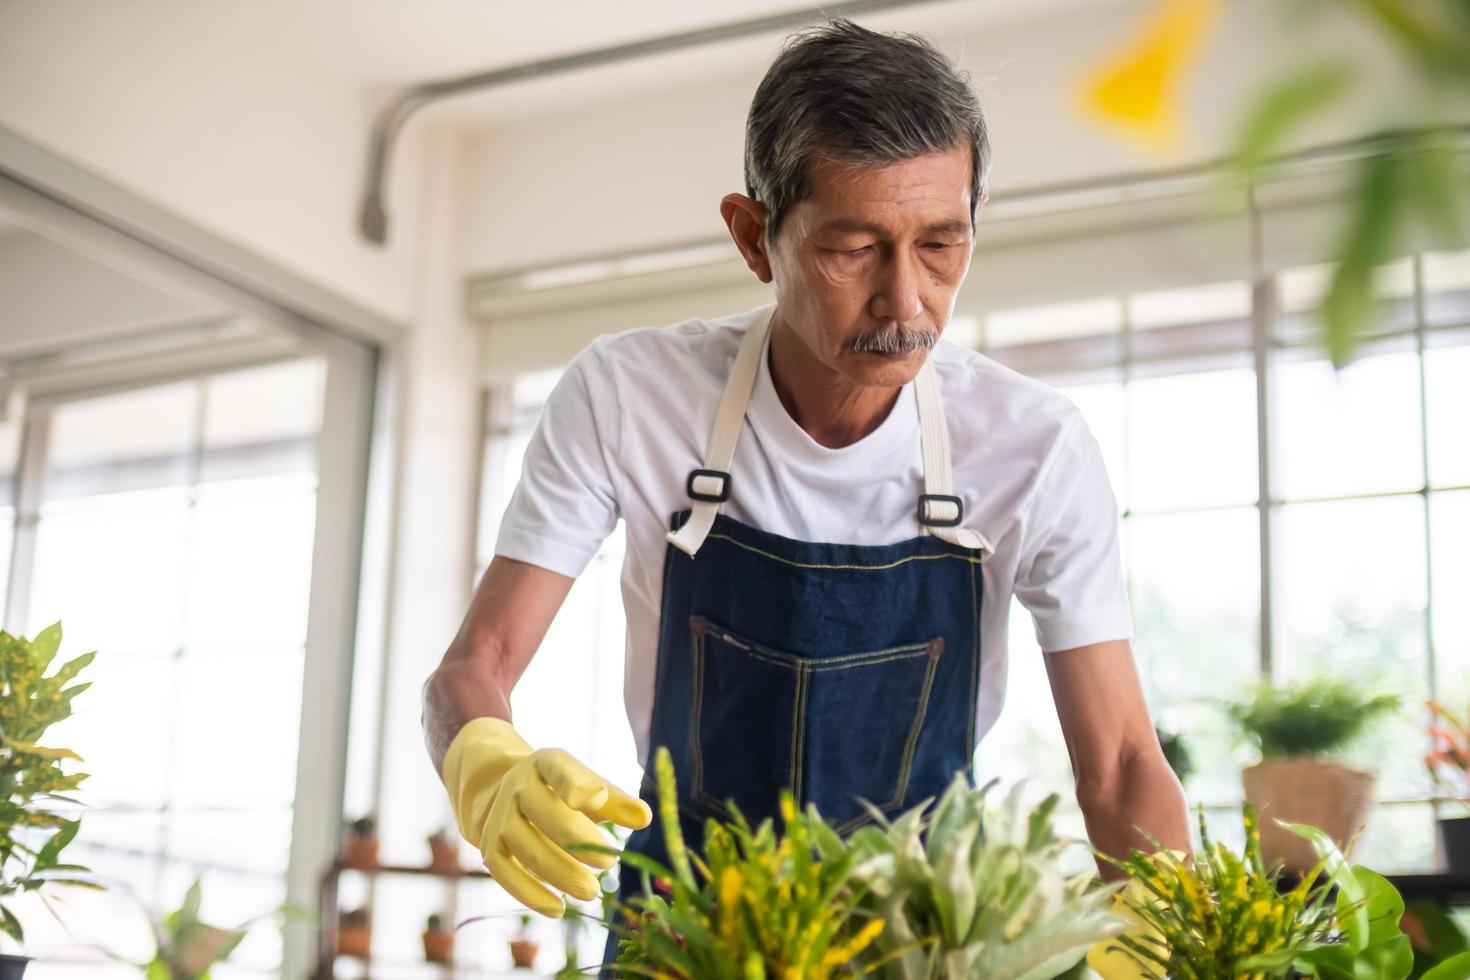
(373, 217)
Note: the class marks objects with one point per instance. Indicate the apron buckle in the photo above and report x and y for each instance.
(701, 483)
(941, 510)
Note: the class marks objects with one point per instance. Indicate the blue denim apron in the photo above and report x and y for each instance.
(842, 673)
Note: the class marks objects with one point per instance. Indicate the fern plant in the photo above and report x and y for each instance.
(976, 890)
(32, 780)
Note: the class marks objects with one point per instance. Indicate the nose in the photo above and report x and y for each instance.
(897, 295)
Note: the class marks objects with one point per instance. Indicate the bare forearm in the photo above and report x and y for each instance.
(1145, 796)
(463, 687)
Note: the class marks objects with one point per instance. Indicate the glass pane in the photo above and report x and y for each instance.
(1029, 325)
(1195, 586)
(1192, 440)
(1352, 431)
(1449, 523)
(1103, 410)
(9, 457)
(1399, 839)
(1213, 303)
(1446, 287)
(7, 537)
(132, 441)
(111, 569)
(250, 564)
(136, 697)
(1353, 594)
(255, 841)
(238, 730)
(1026, 742)
(1447, 394)
(121, 846)
(262, 421)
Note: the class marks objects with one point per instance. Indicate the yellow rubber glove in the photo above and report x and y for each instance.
(1110, 960)
(523, 808)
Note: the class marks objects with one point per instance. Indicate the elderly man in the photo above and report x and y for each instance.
(828, 509)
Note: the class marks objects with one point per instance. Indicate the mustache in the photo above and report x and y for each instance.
(893, 340)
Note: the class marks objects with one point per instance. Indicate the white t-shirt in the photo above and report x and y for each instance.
(632, 415)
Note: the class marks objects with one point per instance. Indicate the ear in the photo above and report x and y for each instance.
(746, 219)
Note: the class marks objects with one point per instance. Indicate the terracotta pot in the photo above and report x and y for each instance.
(439, 946)
(523, 952)
(12, 967)
(1454, 834)
(444, 858)
(1333, 798)
(355, 940)
(360, 852)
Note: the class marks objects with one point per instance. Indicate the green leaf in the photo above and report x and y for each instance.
(44, 646)
(52, 848)
(11, 926)
(1455, 968)
(32, 749)
(1351, 897)
(1286, 105)
(1350, 305)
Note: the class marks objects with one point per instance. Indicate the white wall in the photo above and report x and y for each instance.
(221, 118)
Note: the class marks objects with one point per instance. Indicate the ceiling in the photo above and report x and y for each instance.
(386, 45)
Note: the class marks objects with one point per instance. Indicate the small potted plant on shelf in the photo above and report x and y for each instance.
(523, 949)
(360, 846)
(438, 941)
(1299, 730)
(1449, 766)
(355, 933)
(444, 852)
(32, 834)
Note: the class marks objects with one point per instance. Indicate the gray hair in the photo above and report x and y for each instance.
(843, 93)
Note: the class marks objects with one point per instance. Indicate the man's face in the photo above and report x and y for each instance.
(867, 266)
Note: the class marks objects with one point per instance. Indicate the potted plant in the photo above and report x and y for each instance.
(1298, 729)
(32, 835)
(1449, 766)
(438, 941)
(444, 852)
(524, 949)
(1222, 914)
(975, 890)
(355, 933)
(187, 948)
(360, 846)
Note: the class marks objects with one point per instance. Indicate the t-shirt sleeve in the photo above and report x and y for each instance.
(566, 503)
(1070, 575)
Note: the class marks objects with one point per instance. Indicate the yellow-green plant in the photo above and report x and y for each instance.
(757, 904)
(32, 835)
(976, 890)
(1226, 915)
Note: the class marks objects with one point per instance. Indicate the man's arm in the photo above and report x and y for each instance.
(508, 617)
(1123, 781)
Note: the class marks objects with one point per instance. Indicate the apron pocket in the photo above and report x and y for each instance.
(832, 730)
(743, 723)
(864, 713)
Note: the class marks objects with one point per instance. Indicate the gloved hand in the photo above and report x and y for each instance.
(523, 808)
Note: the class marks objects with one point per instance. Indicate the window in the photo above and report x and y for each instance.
(1368, 483)
(173, 529)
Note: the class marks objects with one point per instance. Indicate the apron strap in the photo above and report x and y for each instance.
(710, 487)
(940, 512)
